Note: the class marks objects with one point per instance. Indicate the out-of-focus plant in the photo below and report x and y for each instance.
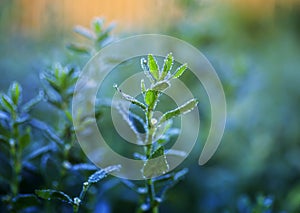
(76, 202)
(262, 204)
(59, 83)
(157, 131)
(97, 36)
(15, 137)
(57, 153)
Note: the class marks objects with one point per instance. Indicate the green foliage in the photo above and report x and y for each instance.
(57, 158)
(262, 204)
(155, 161)
(185, 108)
(15, 137)
(99, 175)
(156, 167)
(49, 194)
(130, 98)
(256, 57)
(98, 36)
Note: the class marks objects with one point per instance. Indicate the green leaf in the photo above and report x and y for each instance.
(185, 108)
(143, 87)
(52, 81)
(180, 70)
(40, 151)
(78, 48)
(23, 201)
(49, 194)
(168, 63)
(84, 32)
(145, 68)
(84, 167)
(130, 98)
(97, 25)
(7, 104)
(25, 139)
(150, 98)
(156, 165)
(161, 86)
(15, 92)
(153, 67)
(99, 175)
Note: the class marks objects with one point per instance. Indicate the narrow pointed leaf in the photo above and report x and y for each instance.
(150, 98)
(49, 194)
(143, 87)
(185, 108)
(168, 63)
(161, 86)
(180, 70)
(156, 165)
(146, 70)
(40, 151)
(78, 48)
(84, 167)
(153, 67)
(7, 103)
(99, 175)
(97, 25)
(84, 32)
(130, 98)
(15, 93)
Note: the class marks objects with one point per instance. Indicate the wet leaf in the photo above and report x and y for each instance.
(185, 108)
(143, 87)
(156, 165)
(150, 98)
(180, 70)
(153, 67)
(7, 104)
(161, 86)
(130, 98)
(84, 32)
(168, 63)
(15, 93)
(99, 175)
(49, 194)
(79, 48)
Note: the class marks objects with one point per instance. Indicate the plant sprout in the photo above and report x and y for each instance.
(160, 80)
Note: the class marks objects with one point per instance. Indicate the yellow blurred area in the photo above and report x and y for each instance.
(36, 15)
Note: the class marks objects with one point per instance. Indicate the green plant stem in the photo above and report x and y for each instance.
(151, 193)
(85, 187)
(15, 162)
(149, 139)
(16, 157)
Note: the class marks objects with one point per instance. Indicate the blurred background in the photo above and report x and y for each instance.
(253, 45)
